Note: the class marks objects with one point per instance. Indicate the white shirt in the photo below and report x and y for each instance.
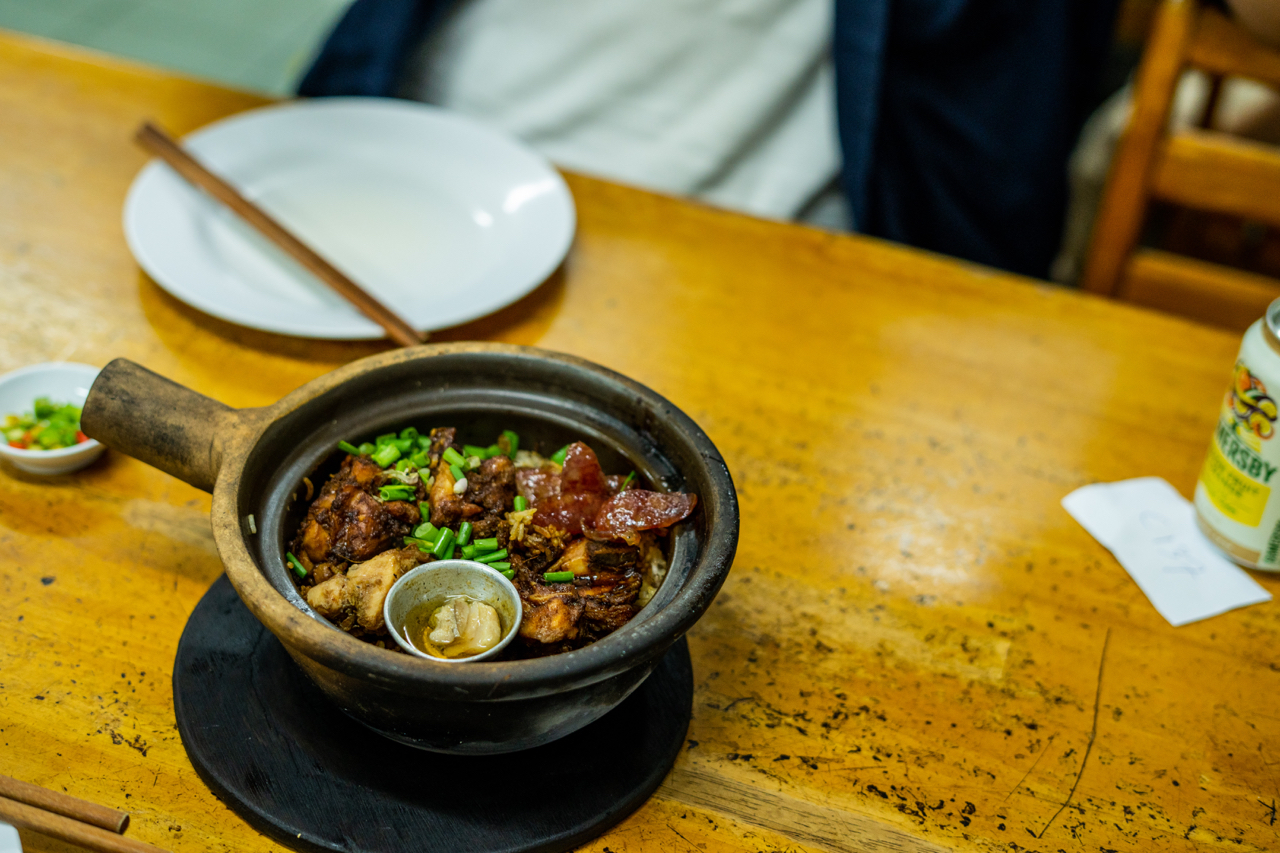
(730, 101)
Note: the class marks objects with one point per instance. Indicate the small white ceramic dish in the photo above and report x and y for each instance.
(441, 217)
(441, 578)
(61, 382)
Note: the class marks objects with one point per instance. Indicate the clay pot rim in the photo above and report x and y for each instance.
(340, 651)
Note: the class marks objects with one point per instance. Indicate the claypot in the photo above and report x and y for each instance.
(254, 462)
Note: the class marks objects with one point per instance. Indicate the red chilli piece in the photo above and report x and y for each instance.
(625, 514)
(81, 438)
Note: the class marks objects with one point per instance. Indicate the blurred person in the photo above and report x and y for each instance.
(946, 123)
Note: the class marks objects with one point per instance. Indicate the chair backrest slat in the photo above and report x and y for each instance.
(1210, 293)
(1220, 47)
(1216, 172)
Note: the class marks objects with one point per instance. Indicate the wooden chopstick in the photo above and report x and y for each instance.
(24, 816)
(63, 804)
(167, 149)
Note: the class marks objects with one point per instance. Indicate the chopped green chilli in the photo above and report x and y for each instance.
(559, 456)
(557, 577)
(520, 504)
(48, 426)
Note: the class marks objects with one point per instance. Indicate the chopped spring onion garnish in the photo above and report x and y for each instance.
(424, 509)
(348, 447)
(453, 457)
(409, 433)
(424, 545)
(297, 567)
(404, 465)
(386, 455)
(490, 544)
(512, 440)
(384, 440)
(630, 477)
(456, 471)
(491, 557)
(253, 524)
(521, 503)
(460, 487)
(427, 531)
(559, 455)
(397, 493)
(468, 552)
(473, 462)
(557, 577)
(472, 450)
(367, 449)
(507, 572)
(492, 450)
(420, 459)
(444, 544)
(464, 533)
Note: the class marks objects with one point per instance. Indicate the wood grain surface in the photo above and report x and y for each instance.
(917, 648)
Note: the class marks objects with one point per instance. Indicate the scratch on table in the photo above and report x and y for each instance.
(1034, 765)
(1093, 733)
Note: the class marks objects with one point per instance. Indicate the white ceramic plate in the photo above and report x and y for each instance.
(442, 218)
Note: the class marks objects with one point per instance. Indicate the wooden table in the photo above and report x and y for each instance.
(916, 647)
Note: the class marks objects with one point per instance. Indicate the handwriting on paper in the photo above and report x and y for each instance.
(1151, 530)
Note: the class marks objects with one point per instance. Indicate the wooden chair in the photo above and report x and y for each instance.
(1196, 168)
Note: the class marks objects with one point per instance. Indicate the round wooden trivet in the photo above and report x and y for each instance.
(297, 769)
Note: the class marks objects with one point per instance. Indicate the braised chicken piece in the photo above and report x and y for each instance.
(349, 522)
(601, 597)
(448, 507)
(356, 598)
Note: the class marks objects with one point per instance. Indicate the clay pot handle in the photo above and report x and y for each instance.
(159, 422)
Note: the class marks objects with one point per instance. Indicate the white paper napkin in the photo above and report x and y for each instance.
(1151, 530)
(9, 842)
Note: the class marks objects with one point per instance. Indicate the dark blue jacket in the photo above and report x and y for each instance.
(956, 116)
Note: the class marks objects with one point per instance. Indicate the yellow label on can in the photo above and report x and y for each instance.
(1237, 496)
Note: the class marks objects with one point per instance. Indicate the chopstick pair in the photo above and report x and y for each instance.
(67, 818)
(167, 149)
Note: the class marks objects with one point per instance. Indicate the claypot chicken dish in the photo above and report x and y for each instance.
(584, 549)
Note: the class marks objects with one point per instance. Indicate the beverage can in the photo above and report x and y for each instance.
(1238, 495)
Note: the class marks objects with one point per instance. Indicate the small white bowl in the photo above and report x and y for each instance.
(61, 382)
(453, 577)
